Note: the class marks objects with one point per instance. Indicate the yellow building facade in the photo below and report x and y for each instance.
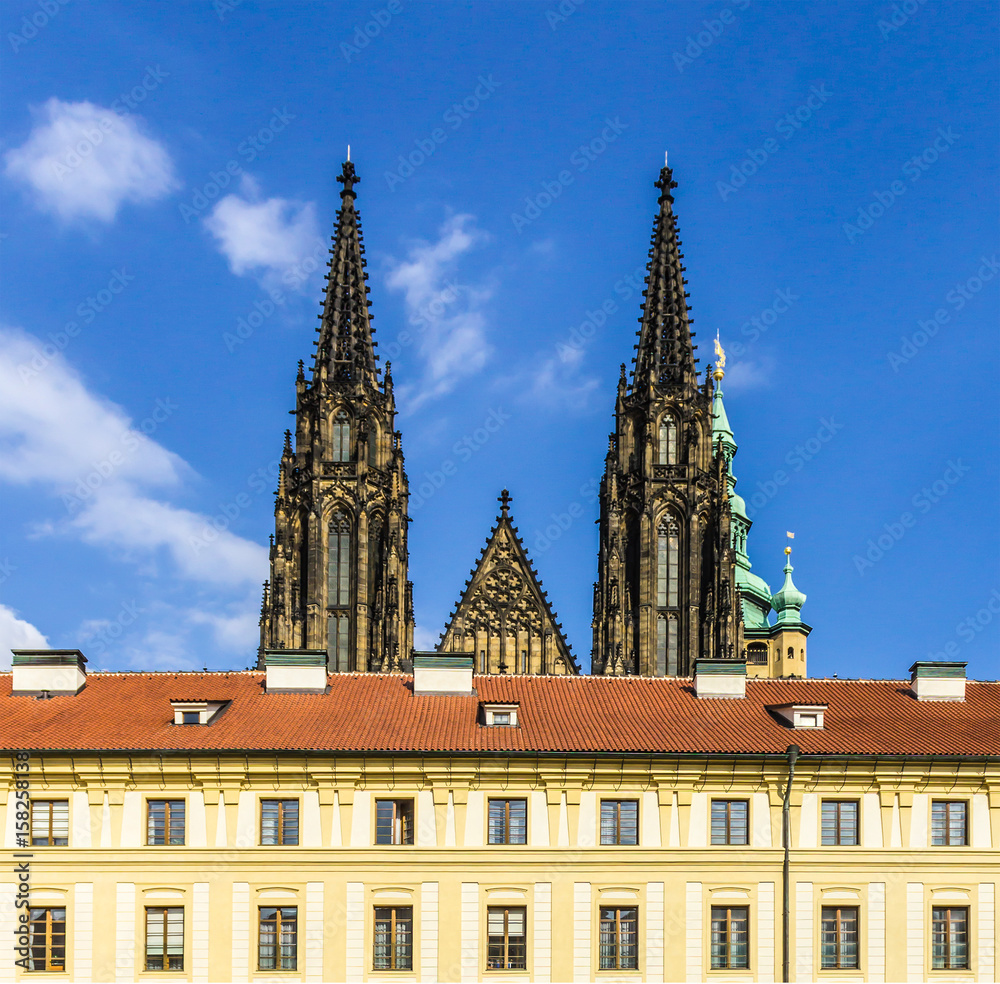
(515, 860)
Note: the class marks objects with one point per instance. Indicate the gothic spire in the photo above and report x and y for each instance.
(345, 352)
(665, 352)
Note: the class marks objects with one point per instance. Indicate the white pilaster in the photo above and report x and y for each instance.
(654, 924)
(562, 829)
(355, 931)
(241, 932)
(247, 824)
(876, 932)
(918, 821)
(980, 826)
(987, 932)
(698, 821)
(915, 931)
(426, 833)
(649, 817)
(197, 834)
(474, 818)
(314, 931)
(760, 817)
(428, 932)
(312, 832)
(221, 834)
(582, 921)
(538, 818)
(809, 821)
(542, 922)
(871, 820)
(106, 822)
(131, 835)
(694, 924)
(470, 931)
(83, 931)
(336, 838)
(449, 821)
(804, 931)
(586, 828)
(82, 835)
(765, 932)
(361, 816)
(199, 932)
(674, 834)
(125, 931)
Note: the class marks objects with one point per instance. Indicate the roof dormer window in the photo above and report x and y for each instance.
(196, 711)
(499, 715)
(801, 715)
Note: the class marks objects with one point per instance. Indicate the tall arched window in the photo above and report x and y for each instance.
(667, 561)
(667, 596)
(668, 440)
(338, 590)
(341, 437)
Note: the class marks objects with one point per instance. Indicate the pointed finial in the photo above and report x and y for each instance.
(504, 501)
(788, 549)
(348, 178)
(348, 151)
(302, 370)
(288, 442)
(720, 359)
(665, 164)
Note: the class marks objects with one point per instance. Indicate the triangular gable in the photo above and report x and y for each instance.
(504, 617)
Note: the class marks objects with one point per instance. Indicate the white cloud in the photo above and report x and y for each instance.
(271, 238)
(558, 380)
(83, 161)
(15, 633)
(445, 317)
(425, 640)
(750, 375)
(55, 434)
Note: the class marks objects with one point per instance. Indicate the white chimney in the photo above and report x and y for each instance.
(435, 673)
(726, 678)
(931, 680)
(299, 671)
(53, 671)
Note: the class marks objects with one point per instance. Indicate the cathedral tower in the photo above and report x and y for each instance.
(666, 589)
(339, 556)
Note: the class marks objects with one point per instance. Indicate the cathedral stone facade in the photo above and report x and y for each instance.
(674, 581)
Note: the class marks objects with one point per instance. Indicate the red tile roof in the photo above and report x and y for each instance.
(379, 713)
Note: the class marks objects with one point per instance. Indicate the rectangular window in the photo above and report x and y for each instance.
(839, 938)
(507, 943)
(394, 821)
(508, 821)
(949, 823)
(619, 943)
(730, 821)
(165, 938)
(46, 939)
(619, 821)
(279, 822)
(950, 939)
(49, 823)
(840, 823)
(164, 822)
(394, 938)
(278, 942)
(730, 946)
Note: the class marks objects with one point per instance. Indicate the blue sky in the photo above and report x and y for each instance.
(167, 180)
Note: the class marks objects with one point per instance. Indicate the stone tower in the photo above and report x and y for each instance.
(666, 590)
(503, 617)
(339, 556)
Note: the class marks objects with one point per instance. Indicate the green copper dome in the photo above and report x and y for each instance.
(788, 601)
